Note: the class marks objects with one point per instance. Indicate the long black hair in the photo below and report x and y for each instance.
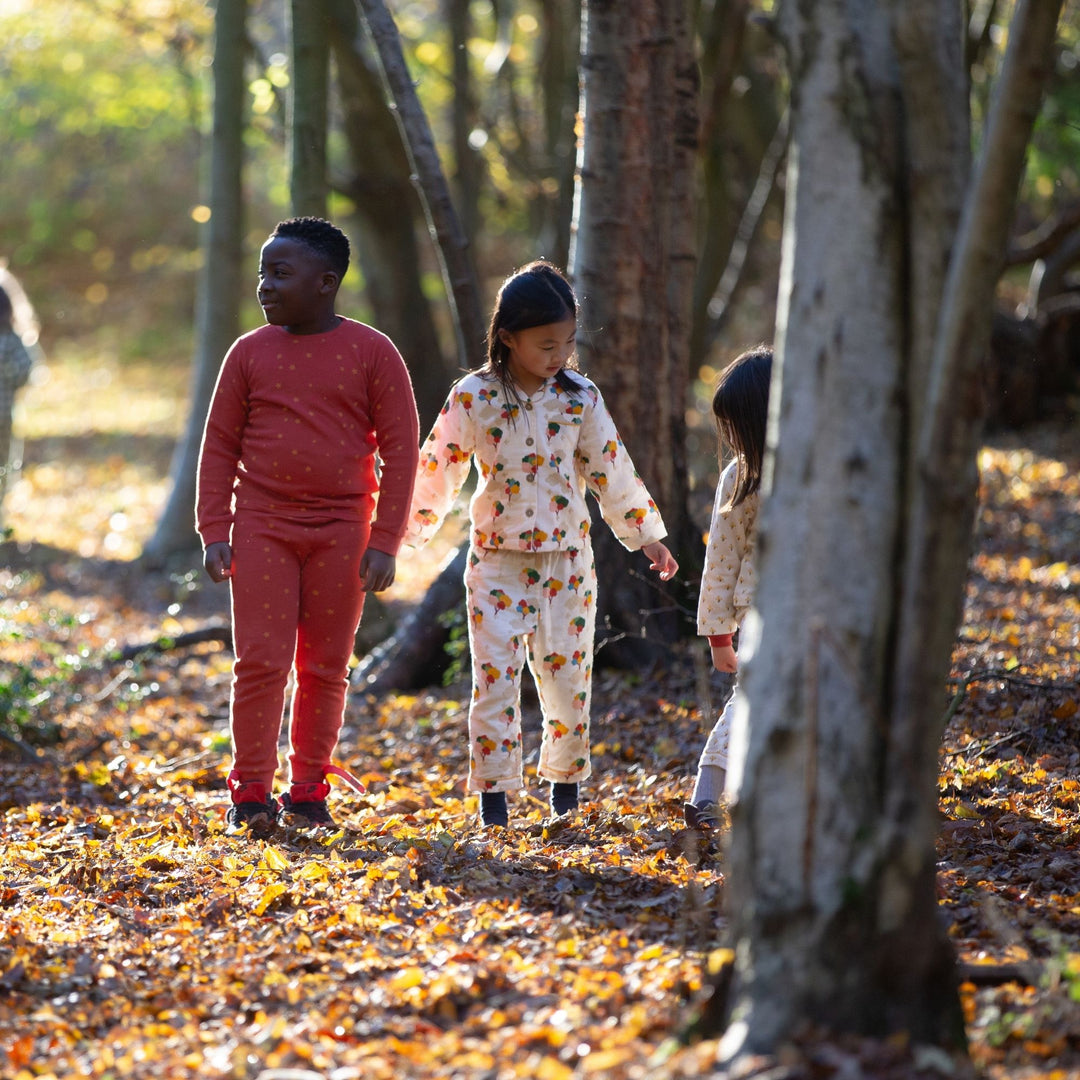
(741, 407)
(535, 295)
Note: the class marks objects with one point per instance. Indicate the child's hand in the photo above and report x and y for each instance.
(218, 561)
(377, 570)
(660, 559)
(724, 658)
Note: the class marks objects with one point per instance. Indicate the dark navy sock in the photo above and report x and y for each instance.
(493, 809)
(564, 798)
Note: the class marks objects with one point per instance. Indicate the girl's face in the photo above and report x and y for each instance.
(539, 353)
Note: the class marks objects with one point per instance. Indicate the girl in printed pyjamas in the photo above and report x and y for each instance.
(740, 405)
(541, 437)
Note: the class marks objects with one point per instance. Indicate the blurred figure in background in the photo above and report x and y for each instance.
(18, 336)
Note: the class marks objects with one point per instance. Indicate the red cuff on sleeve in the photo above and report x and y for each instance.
(720, 641)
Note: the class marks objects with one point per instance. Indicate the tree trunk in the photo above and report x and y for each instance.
(468, 167)
(221, 278)
(864, 534)
(308, 114)
(387, 210)
(739, 163)
(561, 21)
(415, 655)
(632, 262)
(451, 244)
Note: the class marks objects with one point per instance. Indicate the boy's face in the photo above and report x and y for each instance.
(296, 288)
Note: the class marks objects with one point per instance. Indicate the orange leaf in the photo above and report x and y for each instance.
(269, 895)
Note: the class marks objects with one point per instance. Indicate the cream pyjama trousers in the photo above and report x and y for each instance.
(537, 608)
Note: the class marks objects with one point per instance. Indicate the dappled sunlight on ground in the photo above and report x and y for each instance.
(143, 941)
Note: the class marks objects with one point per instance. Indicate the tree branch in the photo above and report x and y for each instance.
(1044, 239)
(451, 243)
(983, 234)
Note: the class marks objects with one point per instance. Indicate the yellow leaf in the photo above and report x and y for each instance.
(406, 979)
(720, 959)
(273, 860)
(605, 1060)
(269, 895)
(653, 952)
(313, 872)
(553, 1069)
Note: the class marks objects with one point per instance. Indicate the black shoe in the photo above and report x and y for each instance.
(493, 809)
(564, 798)
(703, 816)
(258, 818)
(303, 806)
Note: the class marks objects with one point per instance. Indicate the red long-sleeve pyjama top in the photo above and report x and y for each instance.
(294, 428)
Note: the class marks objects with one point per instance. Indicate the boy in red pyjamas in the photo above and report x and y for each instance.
(286, 493)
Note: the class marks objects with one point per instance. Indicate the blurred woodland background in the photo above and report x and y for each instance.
(141, 265)
(105, 114)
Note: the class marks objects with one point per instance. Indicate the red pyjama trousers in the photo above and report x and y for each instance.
(296, 603)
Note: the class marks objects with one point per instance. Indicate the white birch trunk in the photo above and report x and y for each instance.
(866, 524)
(806, 852)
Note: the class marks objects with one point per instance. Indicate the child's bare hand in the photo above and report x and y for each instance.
(377, 570)
(661, 560)
(724, 658)
(218, 561)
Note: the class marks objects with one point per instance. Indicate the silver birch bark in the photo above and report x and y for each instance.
(632, 261)
(866, 523)
(221, 278)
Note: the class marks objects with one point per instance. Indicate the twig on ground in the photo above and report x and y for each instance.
(170, 642)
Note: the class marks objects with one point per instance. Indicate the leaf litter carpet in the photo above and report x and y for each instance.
(140, 940)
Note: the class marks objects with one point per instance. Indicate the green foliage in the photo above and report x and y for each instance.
(104, 105)
(45, 678)
(457, 643)
(33, 690)
(1052, 177)
(100, 117)
(103, 108)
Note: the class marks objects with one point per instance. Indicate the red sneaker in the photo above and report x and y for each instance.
(253, 807)
(304, 806)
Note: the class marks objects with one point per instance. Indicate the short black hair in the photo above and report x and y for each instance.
(323, 237)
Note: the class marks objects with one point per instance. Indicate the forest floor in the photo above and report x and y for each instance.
(139, 940)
